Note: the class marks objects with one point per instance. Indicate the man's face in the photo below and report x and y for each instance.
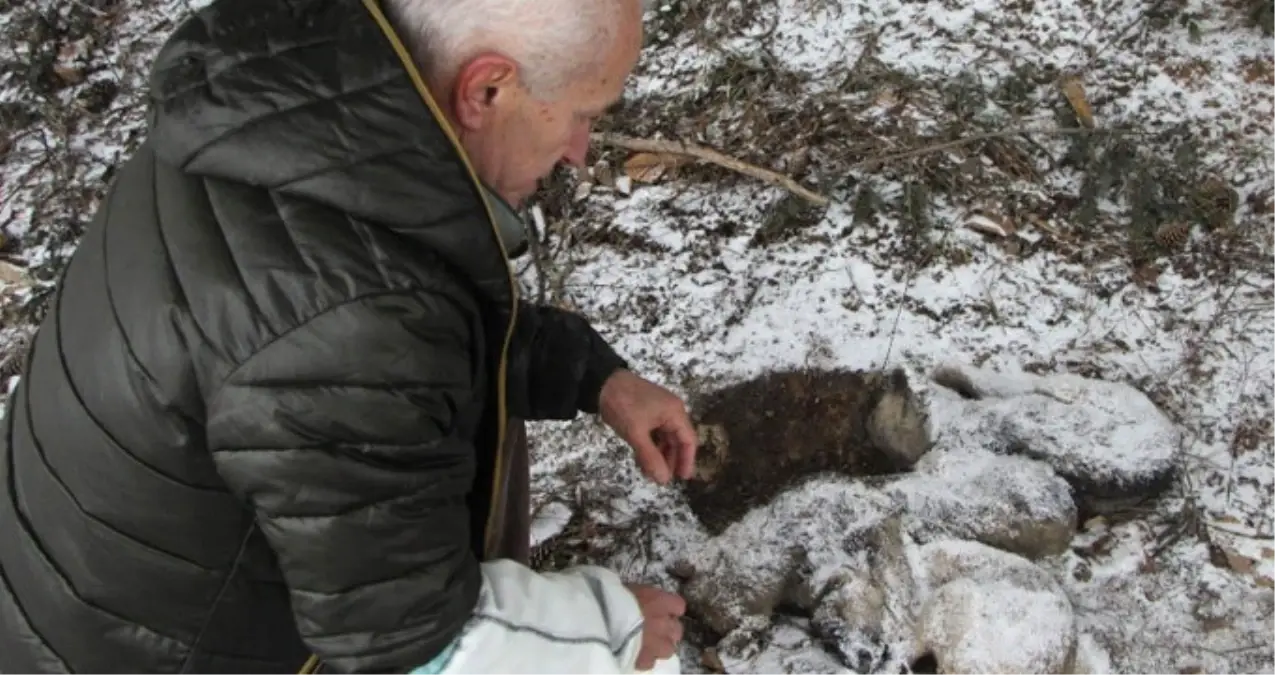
(514, 138)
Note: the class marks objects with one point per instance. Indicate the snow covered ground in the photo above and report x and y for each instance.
(702, 277)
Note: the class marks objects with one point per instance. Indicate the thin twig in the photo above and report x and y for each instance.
(990, 135)
(1237, 533)
(89, 8)
(538, 228)
(709, 155)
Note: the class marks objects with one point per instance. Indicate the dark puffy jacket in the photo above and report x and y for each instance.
(261, 417)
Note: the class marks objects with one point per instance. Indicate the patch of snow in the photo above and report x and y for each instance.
(548, 521)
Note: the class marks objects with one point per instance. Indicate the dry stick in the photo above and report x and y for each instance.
(713, 156)
(709, 155)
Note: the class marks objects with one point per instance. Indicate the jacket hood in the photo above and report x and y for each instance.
(318, 99)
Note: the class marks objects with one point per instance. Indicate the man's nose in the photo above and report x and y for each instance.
(578, 148)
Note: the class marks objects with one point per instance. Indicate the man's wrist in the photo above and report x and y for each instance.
(595, 382)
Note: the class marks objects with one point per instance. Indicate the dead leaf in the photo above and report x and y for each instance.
(1265, 582)
(1240, 563)
(1146, 275)
(649, 167)
(68, 74)
(1074, 92)
(602, 174)
(1214, 624)
(1268, 553)
(888, 98)
(1228, 519)
(11, 274)
(1191, 670)
(1095, 523)
(997, 226)
(69, 51)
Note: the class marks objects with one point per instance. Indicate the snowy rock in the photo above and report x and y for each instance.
(1013, 503)
(998, 627)
(990, 611)
(945, 561)
(1108, 440)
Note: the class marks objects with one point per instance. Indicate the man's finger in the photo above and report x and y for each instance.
(663, 645)
(650, 459)
(679, 632)
(686, 440)
(671, 604)
(671, 456)
(672, 631)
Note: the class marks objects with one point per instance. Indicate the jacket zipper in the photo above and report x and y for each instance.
(312, 664)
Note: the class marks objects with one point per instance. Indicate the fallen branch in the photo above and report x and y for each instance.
(712, 156)
(773, 178)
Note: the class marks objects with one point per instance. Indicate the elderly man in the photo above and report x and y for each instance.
(270, 422)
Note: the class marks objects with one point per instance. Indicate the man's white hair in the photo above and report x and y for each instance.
(551, 40)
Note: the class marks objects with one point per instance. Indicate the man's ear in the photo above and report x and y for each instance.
(481, 85)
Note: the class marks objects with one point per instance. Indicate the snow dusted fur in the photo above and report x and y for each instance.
(764, 435)
(898, 425)
(936, 560)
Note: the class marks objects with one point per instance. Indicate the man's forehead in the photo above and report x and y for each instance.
(602, 94)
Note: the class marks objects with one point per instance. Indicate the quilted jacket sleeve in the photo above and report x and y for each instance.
(340, 436)
(558, 363)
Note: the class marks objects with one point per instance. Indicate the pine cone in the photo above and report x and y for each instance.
(1173, 234)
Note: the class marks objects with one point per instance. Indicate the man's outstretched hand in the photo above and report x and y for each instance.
(653, 420)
